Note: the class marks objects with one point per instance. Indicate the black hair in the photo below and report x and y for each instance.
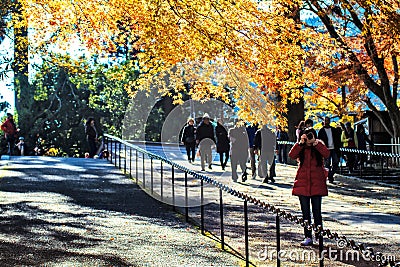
(314, 151)
(309, 121)
(89, 120)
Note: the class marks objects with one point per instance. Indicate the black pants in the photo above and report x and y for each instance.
(221, 158)
(10, 144)
(190, 150)
(315, 202)
(92, 147)
(282, 154)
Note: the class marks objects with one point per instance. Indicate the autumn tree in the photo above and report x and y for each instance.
(259, 49)
(359, 67)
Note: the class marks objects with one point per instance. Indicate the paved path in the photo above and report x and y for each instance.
(82, 212)
(366, 212)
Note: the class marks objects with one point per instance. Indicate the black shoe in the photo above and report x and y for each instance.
(209, 166)
(272, 180)
(331, 180)
(266, 179)
(244, 177)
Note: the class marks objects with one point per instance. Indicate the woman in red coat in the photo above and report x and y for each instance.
(310, 183)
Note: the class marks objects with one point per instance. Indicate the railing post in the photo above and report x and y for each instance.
(130, 162)
(173, 188)
(186, 198)
(278, 240)
(162, 176)
(221, 216)
(202, 206)
(115, 153)
(119, 154)
(381, 167)
(144, 171)
(111, 152)
(137, 166)
(125, 158)
(246, 232)
(321, 249)
(106, 142)
(151, 176)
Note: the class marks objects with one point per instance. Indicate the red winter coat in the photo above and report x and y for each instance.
(310, 178)
(8, 127)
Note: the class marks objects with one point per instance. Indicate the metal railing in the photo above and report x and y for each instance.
(118, 152)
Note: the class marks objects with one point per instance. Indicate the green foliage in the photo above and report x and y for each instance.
(63, 96)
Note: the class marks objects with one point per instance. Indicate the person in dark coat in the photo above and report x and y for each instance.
(281, 135)
(239, 150)
(363, 139)
(331, 137)
(189, 140)
(206, 140)
(91, 136)
(264, 146)
(251, 133)
(310, 182)
(222, 143)
(10, 132)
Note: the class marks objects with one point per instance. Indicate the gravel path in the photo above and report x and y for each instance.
(79, 212)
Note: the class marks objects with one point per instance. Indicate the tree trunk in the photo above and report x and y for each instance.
(24, 96)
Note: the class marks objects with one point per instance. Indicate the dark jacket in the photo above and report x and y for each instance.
(205, 131)
(310, 177)
(222, 139)
(189, 135)
(336, 135)
(91, 133)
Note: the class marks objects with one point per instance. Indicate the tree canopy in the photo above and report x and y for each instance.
(341, 56)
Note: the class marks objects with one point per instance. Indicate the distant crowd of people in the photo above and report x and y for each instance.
(239, 144)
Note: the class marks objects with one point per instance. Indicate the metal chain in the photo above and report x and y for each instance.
(368, 252)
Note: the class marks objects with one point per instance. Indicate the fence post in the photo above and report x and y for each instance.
(130, 162)
(382, 168)
(278, 240)
(125, 158)
(119, 153)
(202, 206)
(221, 216)
(111, 152)
(173, 188)
(246, 232)
(115, 153)
(151, 176)
(186, 198)
(162, 176)
(144, 171)
(321, 249)
(137, 166)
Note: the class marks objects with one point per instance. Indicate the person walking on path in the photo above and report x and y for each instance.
(281, 135)
(222, 143)
(189, 139)
(264, 146)
(363, 139)
(331, 138)
(349, 140)
(310, 182)
(10, 132)
(205, 139)
(251, 133)
(239, 150)
(91, 136)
